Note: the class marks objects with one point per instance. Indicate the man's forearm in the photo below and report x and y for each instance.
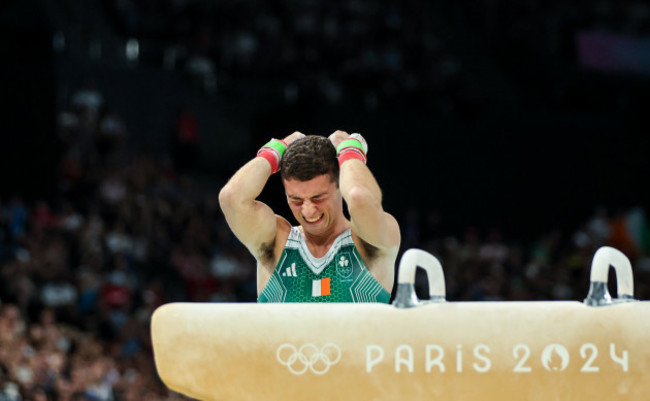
(355, 177)
(246, 185)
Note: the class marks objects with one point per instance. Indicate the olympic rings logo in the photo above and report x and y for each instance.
(308, 357)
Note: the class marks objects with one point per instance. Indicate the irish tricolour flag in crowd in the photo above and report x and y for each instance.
(320, 288)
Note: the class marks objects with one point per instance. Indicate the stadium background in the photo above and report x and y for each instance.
(509, 138)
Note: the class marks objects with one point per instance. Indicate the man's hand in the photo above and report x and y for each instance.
(337, 137)
(293, 137)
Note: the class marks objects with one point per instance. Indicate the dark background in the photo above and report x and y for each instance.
(535, 139)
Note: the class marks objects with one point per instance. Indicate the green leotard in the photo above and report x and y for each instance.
(339, 276)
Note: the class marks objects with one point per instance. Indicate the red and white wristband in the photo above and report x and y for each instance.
(273, 151)
(355, 147)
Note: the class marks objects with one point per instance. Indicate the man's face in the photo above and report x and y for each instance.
(315, 203)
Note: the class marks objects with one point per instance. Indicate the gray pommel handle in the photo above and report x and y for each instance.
(605, 257)
(411, 260)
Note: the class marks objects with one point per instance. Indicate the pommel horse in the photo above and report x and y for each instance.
(414, 349)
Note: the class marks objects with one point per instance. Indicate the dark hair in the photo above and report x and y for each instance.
(309, 157)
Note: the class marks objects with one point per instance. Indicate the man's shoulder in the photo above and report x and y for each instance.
(283, 225)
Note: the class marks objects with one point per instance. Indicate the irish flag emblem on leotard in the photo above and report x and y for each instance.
(321, 287)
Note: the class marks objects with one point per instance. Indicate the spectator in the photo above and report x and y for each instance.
(186, 140)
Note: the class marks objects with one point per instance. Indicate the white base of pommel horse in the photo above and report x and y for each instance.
(413, 350)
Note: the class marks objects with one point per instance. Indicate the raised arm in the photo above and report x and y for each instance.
(252, 222)
(364, 200)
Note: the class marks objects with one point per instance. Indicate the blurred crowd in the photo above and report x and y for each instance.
(485, 265)
(81, 274)
(542, 36)
(370, 53)
(549, 20)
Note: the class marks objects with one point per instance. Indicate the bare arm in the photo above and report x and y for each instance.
(252, 222)
(364, 200)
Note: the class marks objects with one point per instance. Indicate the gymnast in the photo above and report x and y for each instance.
(326, 257)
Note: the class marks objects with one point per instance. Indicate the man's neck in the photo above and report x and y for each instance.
(319, 244)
